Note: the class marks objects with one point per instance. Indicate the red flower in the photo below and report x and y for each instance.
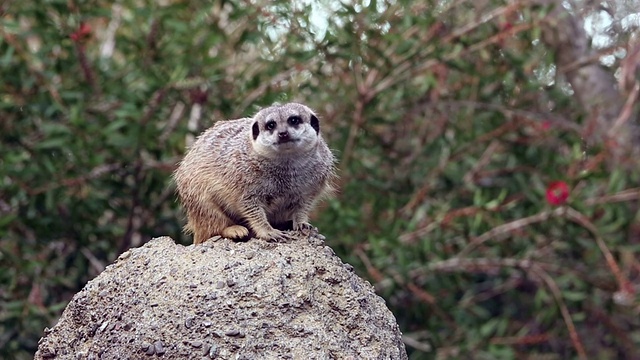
(557, 192)
(83, 32)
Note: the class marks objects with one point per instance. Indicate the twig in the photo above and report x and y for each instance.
(586, 60)
(555, 120)
(521, 340)
(457, 264)
(484, 160)
(87, 71)
(555, 290)
(133, 220)
(27, 58)
(375, 274)
(418, 292)
(577, 217)
(109, 38)
(622, 196)
(95, 173)
(509, 227)
(626, 112)
(483, 19)
(403, 70)
(365, 95)
(621, 334)
(172, 123)
(418, 345)
(97, 265)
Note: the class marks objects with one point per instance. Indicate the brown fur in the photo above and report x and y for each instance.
(240, 179)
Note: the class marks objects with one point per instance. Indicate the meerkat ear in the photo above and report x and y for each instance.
(255, 129)
(315, 124)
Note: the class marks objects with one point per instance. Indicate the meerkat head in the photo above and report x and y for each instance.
(285, 129)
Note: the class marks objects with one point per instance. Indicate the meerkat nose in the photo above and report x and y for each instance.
(283, 135)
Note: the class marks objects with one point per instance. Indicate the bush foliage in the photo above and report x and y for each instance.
(470, 193)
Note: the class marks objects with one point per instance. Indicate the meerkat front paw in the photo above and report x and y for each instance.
(304, 227)
(235, 232)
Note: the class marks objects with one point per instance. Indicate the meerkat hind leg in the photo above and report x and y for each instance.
(235, 232)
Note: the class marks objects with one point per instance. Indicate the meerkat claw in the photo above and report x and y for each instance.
(278, 237)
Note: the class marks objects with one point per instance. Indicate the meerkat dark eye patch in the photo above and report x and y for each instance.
(270, 125)
(315, 124)
(255, 129)
(294, 120)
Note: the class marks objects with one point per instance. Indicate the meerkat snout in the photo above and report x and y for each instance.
(283, 137)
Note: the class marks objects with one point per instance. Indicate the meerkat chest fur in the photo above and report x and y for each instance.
(288, 181)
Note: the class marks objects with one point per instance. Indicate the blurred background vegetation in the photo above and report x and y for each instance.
(488, 153)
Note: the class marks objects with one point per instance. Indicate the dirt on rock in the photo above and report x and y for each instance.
(226, 300)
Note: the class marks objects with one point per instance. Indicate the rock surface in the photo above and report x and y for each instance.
(226, 300)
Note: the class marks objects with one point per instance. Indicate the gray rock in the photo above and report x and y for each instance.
(288, 301)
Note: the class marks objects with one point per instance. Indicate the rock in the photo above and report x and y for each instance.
(252, 300)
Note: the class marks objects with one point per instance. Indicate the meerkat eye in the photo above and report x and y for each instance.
(270, 125)
(294, 120)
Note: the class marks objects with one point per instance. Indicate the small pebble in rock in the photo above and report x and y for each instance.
(93, 329)
(188, 323)
(315, 241)
(207, 323)
(48, 352)
(205, 349)
(230, 282)
(196, 344)
(103, 293)
(213, 351)
(328, 251)
(219, 284)
(148, 349)
(348, 267)
(232, 333)
(159, 347)
(104, 325)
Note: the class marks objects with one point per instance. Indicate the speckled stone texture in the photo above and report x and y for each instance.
(226, 300)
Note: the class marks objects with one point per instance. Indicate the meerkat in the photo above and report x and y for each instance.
(256, 176)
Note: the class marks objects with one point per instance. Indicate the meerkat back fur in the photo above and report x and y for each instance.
(255, 176)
